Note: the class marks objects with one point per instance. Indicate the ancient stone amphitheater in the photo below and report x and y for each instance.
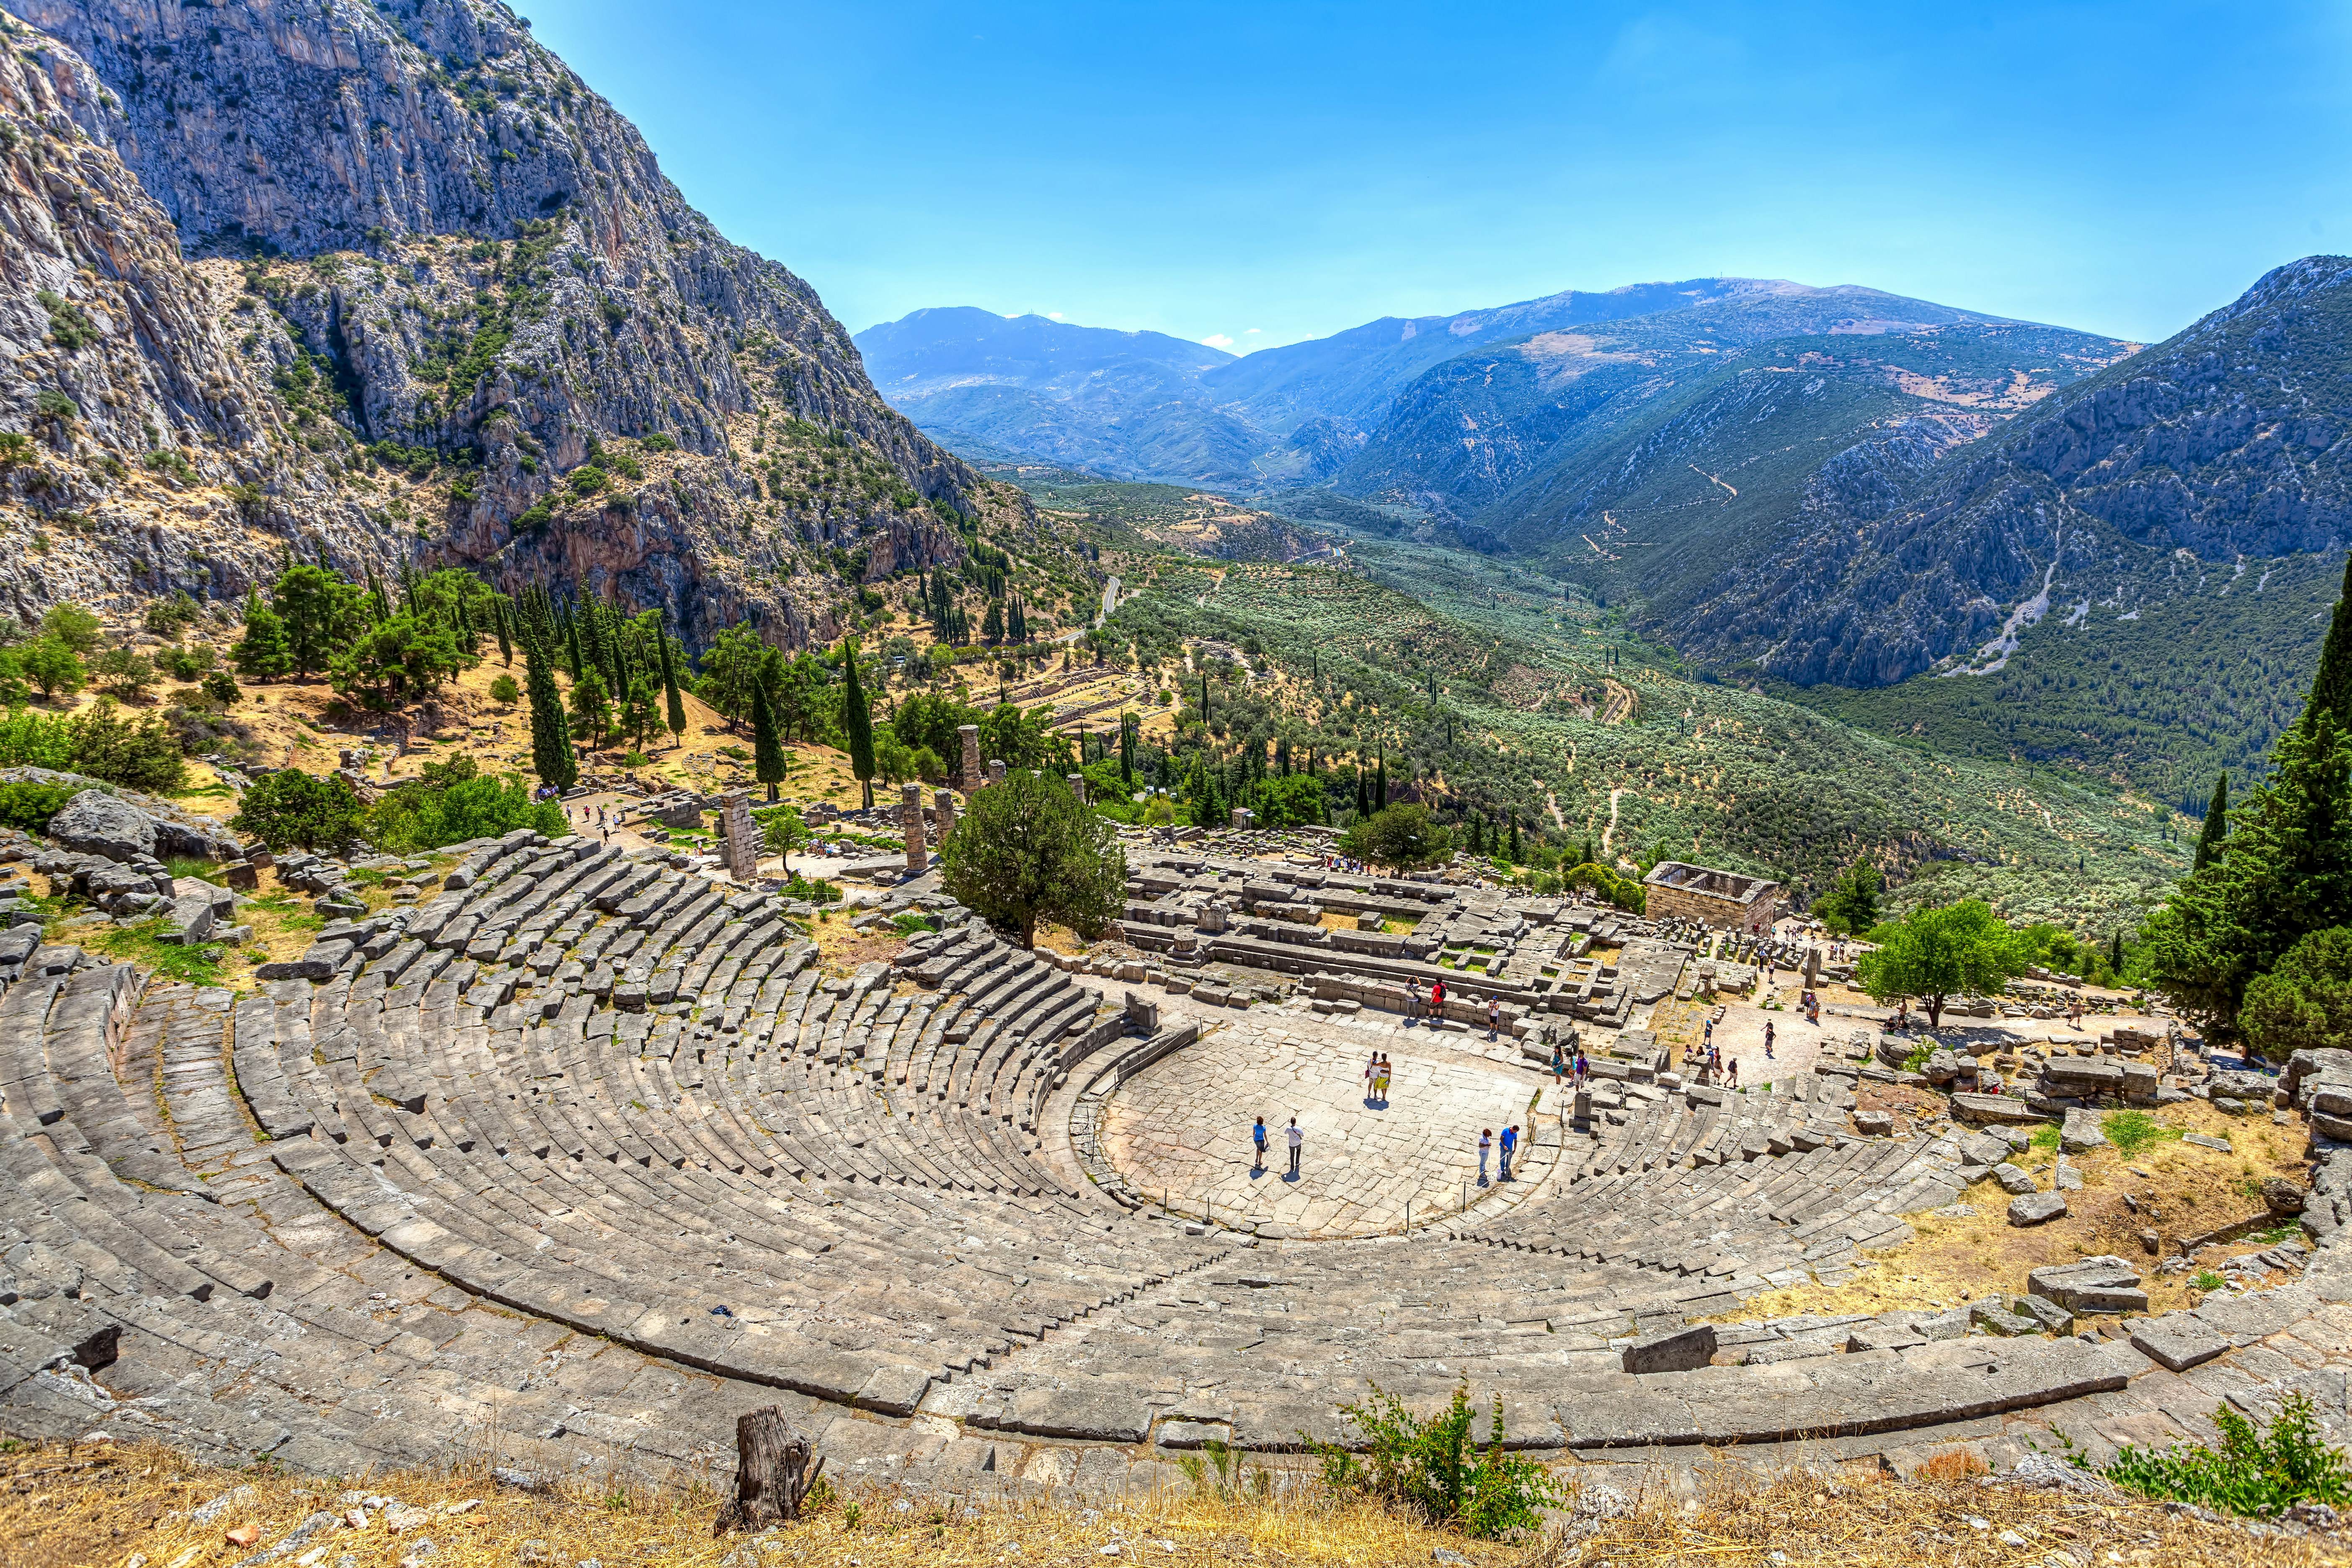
(583, 1154)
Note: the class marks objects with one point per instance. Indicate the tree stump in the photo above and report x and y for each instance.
(772, 1471)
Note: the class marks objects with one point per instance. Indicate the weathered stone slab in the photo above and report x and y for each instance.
(1672, 1349)
(2176, 1341)
(2036, 1208)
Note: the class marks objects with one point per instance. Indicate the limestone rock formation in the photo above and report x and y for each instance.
(437, 279)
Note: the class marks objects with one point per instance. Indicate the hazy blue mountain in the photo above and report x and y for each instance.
(1471, 430)
(1149, 406)
(1351, 376)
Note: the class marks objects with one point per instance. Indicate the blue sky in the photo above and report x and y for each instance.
(1265, 172)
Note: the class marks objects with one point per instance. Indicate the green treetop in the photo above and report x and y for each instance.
(1937, 955)
(1025, 851)
(857, 722)
(2217, 826)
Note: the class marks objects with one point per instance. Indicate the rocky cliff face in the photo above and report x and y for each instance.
(444, 277)
(2231, 441)
(136, 441)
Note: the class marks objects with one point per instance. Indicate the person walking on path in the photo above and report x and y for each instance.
(1298, 1142)
(1768, 1039)
(1510, 1142)
(1485, 1148)
(1257, 1137)
(1380, 1082)
(1732, 1069)
(1414, 1005)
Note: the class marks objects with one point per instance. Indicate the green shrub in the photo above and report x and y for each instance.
(1221, 1471)
(2205, 1279)
(1917, 1060)
(504, 690)
(140, 753)
(453, 801)
(811, 891)
(293, 808)
(2045, 1137)
(30, 805)
(221, 687)
(1431, 1468)
(2253, 1472)
(2134, 1132)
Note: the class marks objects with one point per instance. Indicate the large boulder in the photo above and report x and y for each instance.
(97, 823)
(2080, 1132)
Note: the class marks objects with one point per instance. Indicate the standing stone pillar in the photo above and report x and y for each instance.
(910, 816)
(738, 839)
(1077, 782)
(1812, 965)
(995, 771)
(968, 774)
(944, 804)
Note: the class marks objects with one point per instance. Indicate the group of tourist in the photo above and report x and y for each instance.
(1297, 1140)
(1419, 1003)
(1486, 1145)
(1376, 1080)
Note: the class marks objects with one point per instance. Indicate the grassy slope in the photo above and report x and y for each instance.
(1538, 679)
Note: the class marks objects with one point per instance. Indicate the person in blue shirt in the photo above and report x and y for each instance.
(1257, 1137)
(1510, 1142)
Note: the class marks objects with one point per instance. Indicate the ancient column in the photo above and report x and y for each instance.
(1077, 782)
(968, 774)
(944, 804)
(738, 839)
(995, 771)
(910, 816)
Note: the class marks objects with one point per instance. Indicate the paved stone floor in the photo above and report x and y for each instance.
(1183, 1125)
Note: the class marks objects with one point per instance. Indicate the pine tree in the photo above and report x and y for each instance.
(551, 756)
(856, 721)
(767, 752)
(2211, 842)
(677, 705)
(1515, 840)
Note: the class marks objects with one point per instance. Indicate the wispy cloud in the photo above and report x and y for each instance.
(1218, 341)
(1053, 315)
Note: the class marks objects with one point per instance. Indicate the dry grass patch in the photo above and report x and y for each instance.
(842, 952)
(2188, 1190)
(106, 1506)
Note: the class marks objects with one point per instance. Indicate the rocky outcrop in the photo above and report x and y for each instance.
(437, 279)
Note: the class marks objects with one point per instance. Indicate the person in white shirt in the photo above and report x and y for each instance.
(1297, 1140)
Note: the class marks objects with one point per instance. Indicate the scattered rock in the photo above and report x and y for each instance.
(1672, 1349)
(2036, 1208)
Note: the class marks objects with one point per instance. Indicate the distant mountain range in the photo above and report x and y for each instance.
(1144, 405)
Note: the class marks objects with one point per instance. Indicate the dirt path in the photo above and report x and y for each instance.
(1710, 478)
(1609, 832)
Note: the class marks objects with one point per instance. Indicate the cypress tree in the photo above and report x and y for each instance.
(1204, 694)
(2210, 843)
(676, 713)
(551, 756)
(506, 643)
(1363, 794)
(767, 752)
(1127, 749)
(2115, 953)
(572, 645)
(1380, 785)
(856, 721)
(467, 637)
(2331, 687)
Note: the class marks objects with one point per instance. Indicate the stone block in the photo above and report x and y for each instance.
(2036, 1208)
(2001, 1321)
(2080, 1132)
(2176, 1341)
(1672, 1349)
(97, 823)
(1873, 1124)
(2013, 1180)
(2053, 1318)
(2103, 1284)
(1995, 1107)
